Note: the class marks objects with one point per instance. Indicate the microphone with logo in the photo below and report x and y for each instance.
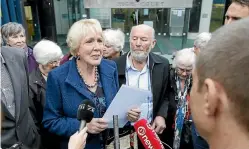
(147, 135)
(85, 113)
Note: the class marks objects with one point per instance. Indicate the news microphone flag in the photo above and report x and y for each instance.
(147, 135)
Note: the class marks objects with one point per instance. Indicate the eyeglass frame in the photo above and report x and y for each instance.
(181, 70)
(55, 62)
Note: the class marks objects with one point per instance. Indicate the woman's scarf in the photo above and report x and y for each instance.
(182, 109)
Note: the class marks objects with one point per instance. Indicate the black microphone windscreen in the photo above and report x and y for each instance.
(86, 111)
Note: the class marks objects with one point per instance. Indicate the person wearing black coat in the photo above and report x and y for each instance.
(47, 55)
(180, 86)
(143, 69)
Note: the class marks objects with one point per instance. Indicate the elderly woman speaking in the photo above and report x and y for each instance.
(86, 77)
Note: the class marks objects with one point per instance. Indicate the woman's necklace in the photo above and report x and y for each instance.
(95, 79)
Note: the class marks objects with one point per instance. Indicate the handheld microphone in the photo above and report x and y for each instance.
(147, 135)
(85, 113)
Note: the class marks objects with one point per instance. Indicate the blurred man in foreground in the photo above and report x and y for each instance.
(219, 96)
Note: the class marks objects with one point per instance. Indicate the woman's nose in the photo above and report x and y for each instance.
(98, 46)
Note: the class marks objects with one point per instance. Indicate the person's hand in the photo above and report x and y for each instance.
(159, 124)
(78, 140)
(96, 125)
(133, 114)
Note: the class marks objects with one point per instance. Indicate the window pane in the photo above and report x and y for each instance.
(217, 14)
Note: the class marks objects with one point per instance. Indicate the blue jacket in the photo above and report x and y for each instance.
(66, 91)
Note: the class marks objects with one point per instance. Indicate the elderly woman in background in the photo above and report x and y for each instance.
(201, 41)
(47, 55)
(178, 124)
(13, 35)
(114, 43)
(86, 77)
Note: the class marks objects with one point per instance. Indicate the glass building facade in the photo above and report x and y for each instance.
(175, 27)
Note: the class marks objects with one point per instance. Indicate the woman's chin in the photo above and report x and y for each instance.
(95, 62)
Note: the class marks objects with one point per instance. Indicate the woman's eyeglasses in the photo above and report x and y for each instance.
(181, 70)
(55, 63)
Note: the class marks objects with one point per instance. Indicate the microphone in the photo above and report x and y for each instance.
(85, 113)
(147, 135)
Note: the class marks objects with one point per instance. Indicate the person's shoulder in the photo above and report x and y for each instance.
(121, 61)
(108, 63)
(159, 58)
(121, 58)
(12, 51)
(62, 70)
(32, 74)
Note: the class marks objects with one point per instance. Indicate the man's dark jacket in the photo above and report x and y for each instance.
(159, 74)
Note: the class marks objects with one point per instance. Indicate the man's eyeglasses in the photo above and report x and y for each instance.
(181, 70)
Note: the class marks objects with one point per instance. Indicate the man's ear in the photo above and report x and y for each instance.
(153, 43)
(211, 97)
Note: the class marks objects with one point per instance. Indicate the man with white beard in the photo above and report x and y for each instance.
(142, 69)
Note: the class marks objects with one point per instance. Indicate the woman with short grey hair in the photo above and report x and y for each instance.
(114, 40)
(201, 41)
(13, 35)
(179, 112)
(47, 55)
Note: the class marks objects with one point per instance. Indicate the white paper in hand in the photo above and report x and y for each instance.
(126, 98)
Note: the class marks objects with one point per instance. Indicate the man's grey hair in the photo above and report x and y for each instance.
(225, 60)
(184, 57)
(202, 40)
(114, 38)
(11, 29)
(140, 25)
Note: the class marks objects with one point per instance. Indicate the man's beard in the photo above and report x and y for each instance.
(140, 56)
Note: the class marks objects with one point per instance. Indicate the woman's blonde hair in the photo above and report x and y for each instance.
(79, 30)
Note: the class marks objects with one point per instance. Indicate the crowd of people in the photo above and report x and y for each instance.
(200, 101)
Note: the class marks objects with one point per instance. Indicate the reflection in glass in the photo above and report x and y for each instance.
(195, 15)
(217, 15)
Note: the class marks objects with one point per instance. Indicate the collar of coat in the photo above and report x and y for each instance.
(37, 78)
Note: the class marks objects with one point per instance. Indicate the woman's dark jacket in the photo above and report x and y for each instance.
(37, 93)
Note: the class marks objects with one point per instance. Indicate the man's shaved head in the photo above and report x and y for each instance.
(225, 60)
